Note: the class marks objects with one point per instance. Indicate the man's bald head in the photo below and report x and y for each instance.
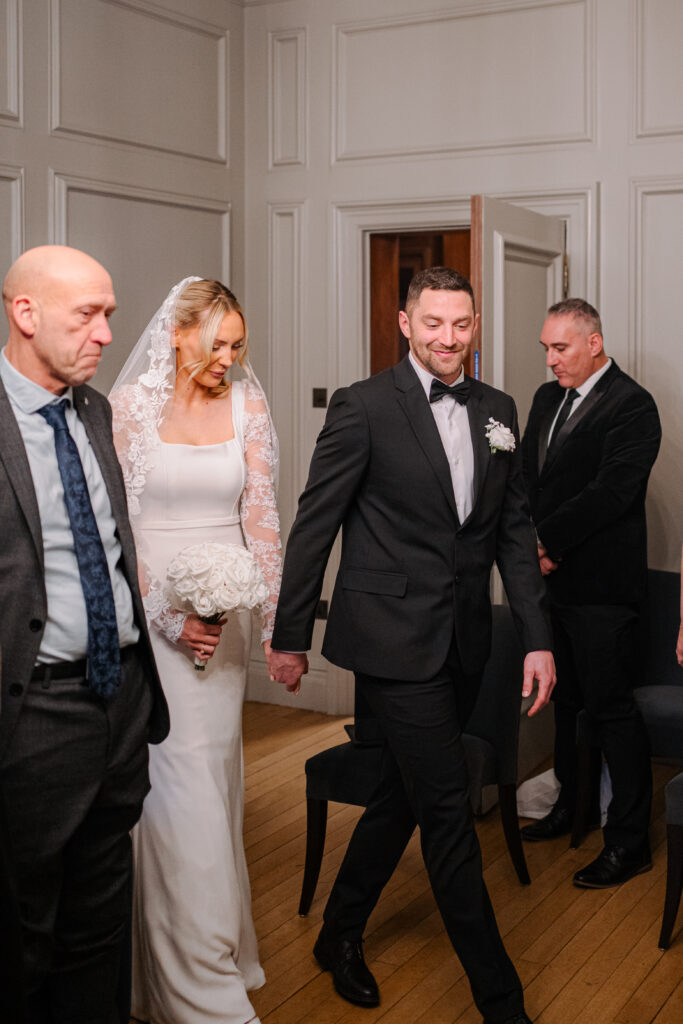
(45, 266)
(58, 301)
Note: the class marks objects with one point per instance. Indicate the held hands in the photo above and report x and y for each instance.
(201, 637)
(286, 668)
(539, 665)
(546, 562)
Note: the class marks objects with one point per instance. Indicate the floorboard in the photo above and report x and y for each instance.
(585, 957)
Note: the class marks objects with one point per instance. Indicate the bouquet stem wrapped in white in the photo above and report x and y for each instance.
(213, 579)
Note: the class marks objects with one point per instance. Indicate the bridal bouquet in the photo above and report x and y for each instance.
(212, 579)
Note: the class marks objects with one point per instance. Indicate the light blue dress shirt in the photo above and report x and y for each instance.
(66, 630)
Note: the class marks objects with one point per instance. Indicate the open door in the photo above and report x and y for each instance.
(518, 269)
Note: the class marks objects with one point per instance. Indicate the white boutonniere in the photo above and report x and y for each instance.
(500, 438)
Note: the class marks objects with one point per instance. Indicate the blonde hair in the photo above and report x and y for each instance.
(205, 303)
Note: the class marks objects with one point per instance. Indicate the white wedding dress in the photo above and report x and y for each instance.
(194, 945)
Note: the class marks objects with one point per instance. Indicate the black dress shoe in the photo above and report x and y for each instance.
(557, 823)
(613, 866)
(350, 974)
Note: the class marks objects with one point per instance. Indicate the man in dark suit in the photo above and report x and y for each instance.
(80, 693)
(589, 446)
(426, 501)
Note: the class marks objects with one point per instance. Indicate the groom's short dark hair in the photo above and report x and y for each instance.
(438, 279)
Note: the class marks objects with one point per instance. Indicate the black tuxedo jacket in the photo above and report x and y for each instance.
(411, 574)
(588, 499)
(23, 601)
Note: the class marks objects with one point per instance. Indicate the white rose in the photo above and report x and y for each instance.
(227, 597)
(500, 437)
(204, 605)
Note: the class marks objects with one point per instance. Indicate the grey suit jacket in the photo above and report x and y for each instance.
(23, 601)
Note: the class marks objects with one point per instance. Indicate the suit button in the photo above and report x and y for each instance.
(16, 690)
(35, 625)
(456, 579)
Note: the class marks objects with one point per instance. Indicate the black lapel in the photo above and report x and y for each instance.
(589, 403)
(545, 424)
(414, 402)
(15, 460)
(478, 416)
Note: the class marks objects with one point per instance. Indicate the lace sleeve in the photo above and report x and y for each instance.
(133, 427)
(258, 508)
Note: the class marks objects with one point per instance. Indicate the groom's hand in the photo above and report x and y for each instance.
(288, 669)
(540, 666)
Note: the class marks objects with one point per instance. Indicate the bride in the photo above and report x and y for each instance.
(199, 457)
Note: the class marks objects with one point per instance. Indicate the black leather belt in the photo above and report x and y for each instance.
(70, 669)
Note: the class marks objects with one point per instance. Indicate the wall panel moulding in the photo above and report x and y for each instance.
(287, 100)
(377, 92)
(658, 33)
(10, 64)
(149, 73)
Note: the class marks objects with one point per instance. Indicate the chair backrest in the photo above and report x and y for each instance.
(495, 717)
(660, 621)
(674, 800)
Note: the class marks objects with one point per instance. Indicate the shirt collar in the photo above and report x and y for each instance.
(426, 378)
(591, 381)
(25, 393)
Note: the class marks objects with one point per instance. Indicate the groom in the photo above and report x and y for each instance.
(426, 503)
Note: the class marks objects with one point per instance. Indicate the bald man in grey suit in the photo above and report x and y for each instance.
(80, 693)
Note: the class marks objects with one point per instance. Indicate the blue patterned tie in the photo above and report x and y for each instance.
(103, 637)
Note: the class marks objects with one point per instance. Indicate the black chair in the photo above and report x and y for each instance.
(674, 857)
(659, 698)
(348, 773)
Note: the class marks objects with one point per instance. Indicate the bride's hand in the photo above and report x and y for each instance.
(201, 637)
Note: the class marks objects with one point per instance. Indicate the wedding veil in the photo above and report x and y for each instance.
(142, 390)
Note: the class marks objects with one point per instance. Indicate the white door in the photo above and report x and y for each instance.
(517, 262)
(516, 265)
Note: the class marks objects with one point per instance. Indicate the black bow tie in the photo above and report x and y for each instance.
(460, 392)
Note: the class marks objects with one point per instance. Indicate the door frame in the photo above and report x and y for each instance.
(352, 223)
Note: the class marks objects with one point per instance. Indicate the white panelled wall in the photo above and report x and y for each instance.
(122, 133)
(261, 141)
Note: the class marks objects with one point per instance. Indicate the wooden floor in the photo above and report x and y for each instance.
(584, 957)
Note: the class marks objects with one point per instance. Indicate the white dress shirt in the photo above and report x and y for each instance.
(453, 425)
(66, 630)
(583, 389)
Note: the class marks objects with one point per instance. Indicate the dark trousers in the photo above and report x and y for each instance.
(74, 778)
(424, 782)
(596, 658)
(12, 1000)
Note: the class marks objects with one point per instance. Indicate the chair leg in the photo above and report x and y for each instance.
(507, 794)
(674, 882)
(316, 827)
(588, 760)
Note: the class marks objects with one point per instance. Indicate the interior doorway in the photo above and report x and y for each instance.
(394, 258)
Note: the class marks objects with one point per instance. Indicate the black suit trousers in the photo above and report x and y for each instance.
(424, 782)
(12, 1002)
(74, 778)
(596, 658)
